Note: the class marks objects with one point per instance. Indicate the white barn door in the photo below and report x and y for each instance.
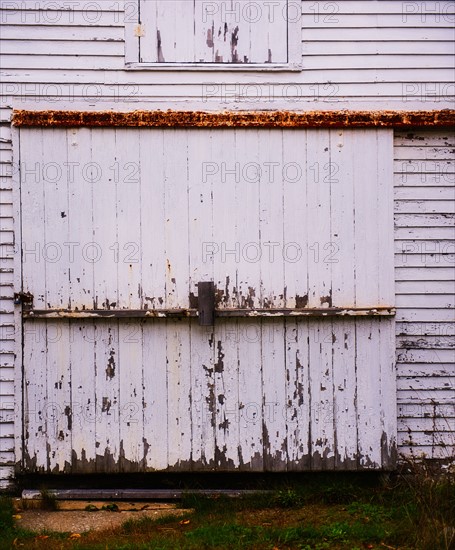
(294, 229)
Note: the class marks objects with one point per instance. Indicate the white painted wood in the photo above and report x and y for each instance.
(216, 32)
(132, 450)
(171, 394)
(298, 394)
(368, 394)
(344, 393)
(83, 397)
(155, 404)
(424, 289)
(108, 406)
(321, 391)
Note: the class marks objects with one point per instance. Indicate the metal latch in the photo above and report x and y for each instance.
(24, 298)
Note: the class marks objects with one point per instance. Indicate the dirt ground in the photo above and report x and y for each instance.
(72, 517)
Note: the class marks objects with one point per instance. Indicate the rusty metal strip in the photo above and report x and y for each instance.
(185, 313)
(229, 119)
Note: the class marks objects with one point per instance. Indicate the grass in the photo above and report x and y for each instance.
(321, 512)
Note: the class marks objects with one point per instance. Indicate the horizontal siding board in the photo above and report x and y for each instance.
(416, 411)
(424, 244)
(431, 439)
(427, 397)
(422, 370)
(425, 342)
(65, 33)
(426, 329)
(70, 18)
(431, 301)
(417, 35)
(424, 233)
(329, 12)
(358, 47)
(421, 193)
(442, 356)
(384, 61)
(425, 206)
(424, 220)
(425, 287)
(431, 138)
(434, 451)
(382, 20)
(66, 47)
(425, 153)
(89, 62)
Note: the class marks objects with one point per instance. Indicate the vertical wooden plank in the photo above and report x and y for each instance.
(129, 230)
(366, 218)
(152, 192)
(341, 249)
(248, 213)
(148, 42)
(132, 450)
(212, 33)
(83, 397)
(319, 212)
(386, 295)
(247, 334)
(35, 453)
(5, 278)
(106, 210)
(131, 21)
(56, 213)
(228, 157)
(228, 161)
(226, 374)
(298, 396)
(168, 35)
(155, 404)
(272, 189)
(179, 394)
(203, 401)
(268, 33)
(321, 389)
(388, 393)
(344, 393)
(59, 421)
(176, 218)
(201, 269)
(129, 234)
(385, 205)
(271, 223)
(295, 245)
(107, 388)
(368, 393)
(81, 181)
(274, 395)
(33, 208)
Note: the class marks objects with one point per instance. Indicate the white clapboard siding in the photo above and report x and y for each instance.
(7, 326)
(354, 54)
(153, 206)
(425, 286)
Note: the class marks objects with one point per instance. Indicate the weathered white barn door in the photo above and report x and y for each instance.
(293, 227)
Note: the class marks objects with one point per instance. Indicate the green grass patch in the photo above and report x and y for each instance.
(317, 513)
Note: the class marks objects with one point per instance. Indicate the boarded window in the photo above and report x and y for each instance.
(183, 32)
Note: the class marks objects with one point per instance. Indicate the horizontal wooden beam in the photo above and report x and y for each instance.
(235, 119)
(186, 313)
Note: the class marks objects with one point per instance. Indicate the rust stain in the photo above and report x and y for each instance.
(236, 119)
